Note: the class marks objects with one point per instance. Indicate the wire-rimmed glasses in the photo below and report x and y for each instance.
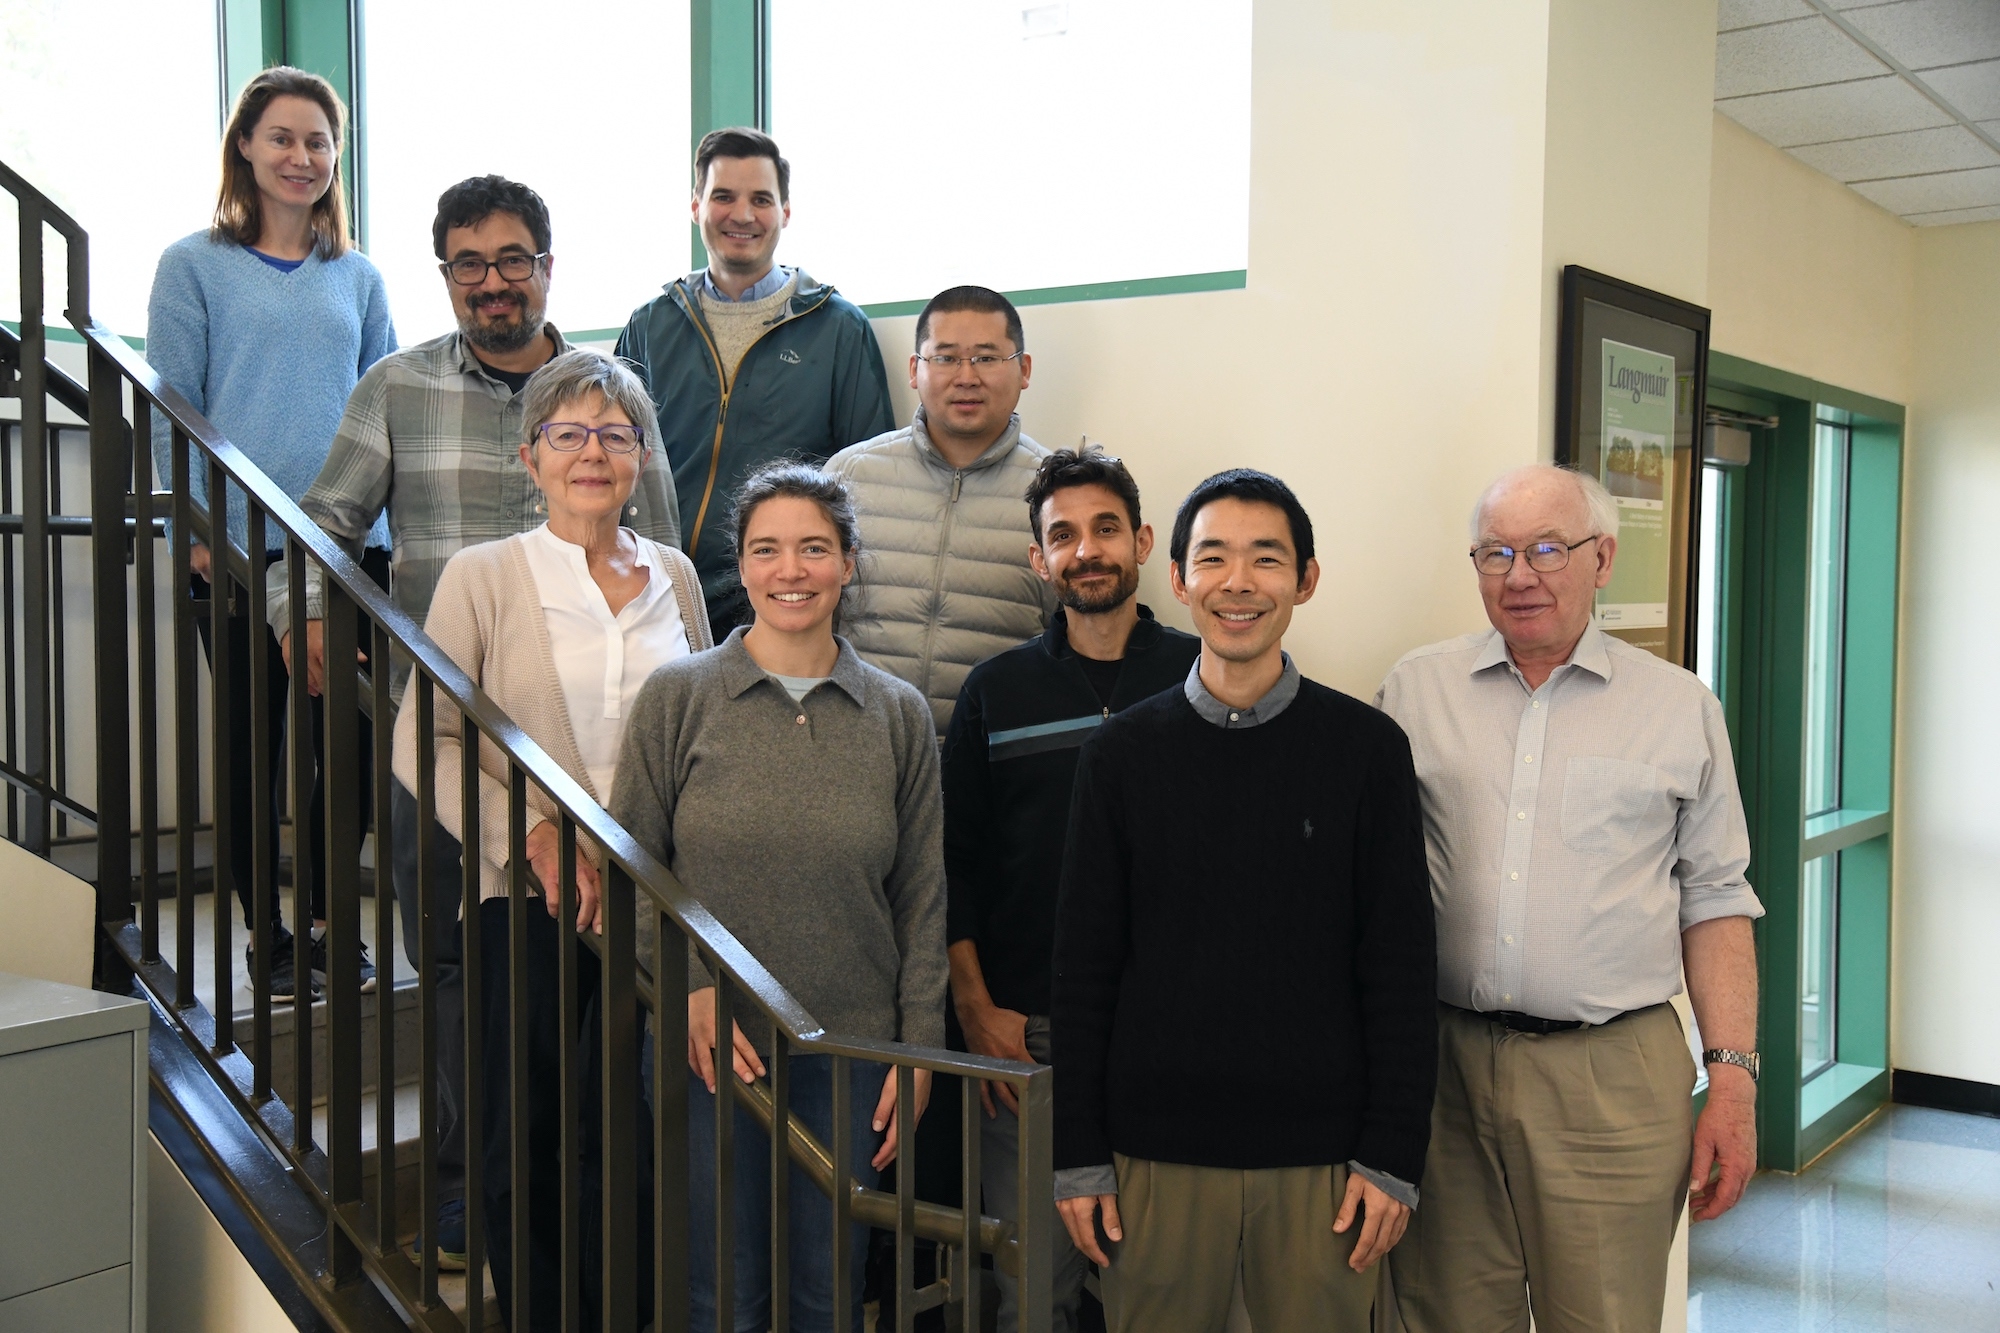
(1544, 557)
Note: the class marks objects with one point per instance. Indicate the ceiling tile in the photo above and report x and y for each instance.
(1788, 55)
(1973, 89)
(1886, 105)
(1951, 148)
(1923, 33)
(1990, 213)
(1930, 194)
(1733, 14)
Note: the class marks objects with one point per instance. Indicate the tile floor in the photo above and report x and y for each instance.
(1896, 1230)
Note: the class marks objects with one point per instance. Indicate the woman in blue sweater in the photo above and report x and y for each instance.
(264, 321)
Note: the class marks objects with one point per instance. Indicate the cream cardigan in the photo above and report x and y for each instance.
(487, 617)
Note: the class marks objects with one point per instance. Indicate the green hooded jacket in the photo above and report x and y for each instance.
(811, 385)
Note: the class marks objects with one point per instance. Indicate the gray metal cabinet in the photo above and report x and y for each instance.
(72, 1158)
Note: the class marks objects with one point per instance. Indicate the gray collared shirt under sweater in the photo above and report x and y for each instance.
(1077, 1181)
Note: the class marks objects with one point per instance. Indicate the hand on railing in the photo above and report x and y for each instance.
(198, 560)
(1002, 1034)
(884, 1119)
(315, 656)
(701, 1042)
(1079, 1217)
(545, 855)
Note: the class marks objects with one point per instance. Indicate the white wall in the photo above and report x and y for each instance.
(1946, 927)
(197, 1281)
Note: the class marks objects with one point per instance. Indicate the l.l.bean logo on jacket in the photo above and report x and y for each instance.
(789, 357)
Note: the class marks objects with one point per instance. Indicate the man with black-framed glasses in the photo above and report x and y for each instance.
(944, 535)
(432, 434)
(1587, 843)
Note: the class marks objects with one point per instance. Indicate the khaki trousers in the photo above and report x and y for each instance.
(1188, 1227)
(1557, 1169)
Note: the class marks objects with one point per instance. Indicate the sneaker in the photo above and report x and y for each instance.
(450, 1238)
(319, 967)
(284, 966)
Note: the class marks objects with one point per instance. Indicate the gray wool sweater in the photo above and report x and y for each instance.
(813, 831)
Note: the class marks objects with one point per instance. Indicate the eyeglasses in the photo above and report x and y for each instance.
(980, 364)
(470, 271)
(569, 436)
(1543, 557)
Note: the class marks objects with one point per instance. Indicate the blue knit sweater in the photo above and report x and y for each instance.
(268, 357)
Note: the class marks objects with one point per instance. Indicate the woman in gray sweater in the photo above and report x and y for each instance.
(794, 790)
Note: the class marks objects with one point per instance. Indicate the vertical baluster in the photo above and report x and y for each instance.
(725, 1149)
(222, 685)
(144, 577)
(33, 387)
(7, 629)
(380, 678)
(620, 1007)
(187, 730)
(842, 1149)
(781, 1181)
(110, 469)
(58, 639)
(263, 819)
(519, 1166)
(670, 1126)
(569, 1076)
(965, 1281)
(427, 1004)
(305, 874)
(472, 973)
(1036, 1174)
(343, 929)
(906, 1199)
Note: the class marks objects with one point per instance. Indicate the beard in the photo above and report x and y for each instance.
(503, 335)
(1098, 602)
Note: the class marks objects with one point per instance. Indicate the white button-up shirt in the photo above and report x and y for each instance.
(602, 659)
(1573, 831)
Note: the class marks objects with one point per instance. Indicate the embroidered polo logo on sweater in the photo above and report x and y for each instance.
(789, 357)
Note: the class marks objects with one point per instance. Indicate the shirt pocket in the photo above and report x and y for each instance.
(1606, 803)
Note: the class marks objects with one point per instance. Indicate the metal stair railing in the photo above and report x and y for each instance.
(347, 1253)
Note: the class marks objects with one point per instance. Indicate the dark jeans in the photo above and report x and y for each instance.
(446, 891)
(811, 1211)
(242, 847)
(542, 1248)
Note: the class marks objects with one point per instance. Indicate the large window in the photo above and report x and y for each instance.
(114, 111)
(1076, 142)
(588, 104)
(1825, 605)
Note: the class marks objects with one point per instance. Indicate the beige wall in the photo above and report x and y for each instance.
(1946, 989)
(1626, 186)
(1806, 275)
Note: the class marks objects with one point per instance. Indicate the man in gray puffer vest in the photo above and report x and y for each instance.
(945, 581)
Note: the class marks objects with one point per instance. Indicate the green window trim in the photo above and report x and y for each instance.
(1764, 643)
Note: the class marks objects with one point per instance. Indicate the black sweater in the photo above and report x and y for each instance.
(1009, 762)
(1245, 951)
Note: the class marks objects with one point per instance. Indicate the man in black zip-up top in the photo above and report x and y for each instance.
(748, 360)
(1009, 759)
(1244, 1008)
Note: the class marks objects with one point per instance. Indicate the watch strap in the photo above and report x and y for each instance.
(1723, 1055)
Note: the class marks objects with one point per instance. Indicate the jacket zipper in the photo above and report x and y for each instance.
(722, 413)
(937, 578)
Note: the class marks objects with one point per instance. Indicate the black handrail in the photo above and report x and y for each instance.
(362, 1237)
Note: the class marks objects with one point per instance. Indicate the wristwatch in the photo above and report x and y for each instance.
(1722, 1055)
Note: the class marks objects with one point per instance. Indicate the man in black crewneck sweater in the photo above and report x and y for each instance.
(1244, 1012)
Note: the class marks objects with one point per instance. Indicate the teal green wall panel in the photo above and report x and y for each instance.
(1863, 1035)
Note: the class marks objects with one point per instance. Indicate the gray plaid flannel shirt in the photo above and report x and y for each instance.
(433, 438)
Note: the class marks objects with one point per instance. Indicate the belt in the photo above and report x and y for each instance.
(1541, 1027)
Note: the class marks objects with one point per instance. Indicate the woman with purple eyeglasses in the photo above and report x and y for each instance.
(560, 626)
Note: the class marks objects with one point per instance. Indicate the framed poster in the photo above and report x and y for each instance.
(1631, 382)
